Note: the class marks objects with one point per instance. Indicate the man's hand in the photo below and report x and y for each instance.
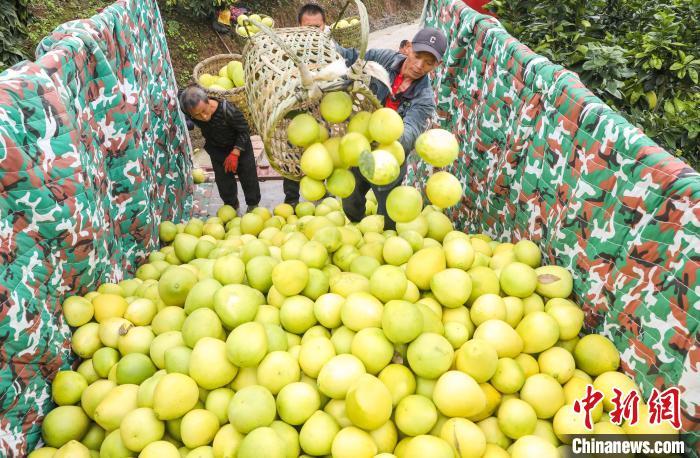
(231, 161)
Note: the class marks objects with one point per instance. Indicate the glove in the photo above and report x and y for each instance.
(231, 161)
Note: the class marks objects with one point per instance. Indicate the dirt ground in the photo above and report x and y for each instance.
(207, 199)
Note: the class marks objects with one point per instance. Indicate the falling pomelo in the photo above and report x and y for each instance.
(385, 126)
(316, 162)
(379, 167)
(443, 189)
(352, 145)
(437, 147)
(404, 204)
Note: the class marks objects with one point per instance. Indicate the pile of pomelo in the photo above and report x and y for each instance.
(371, 144)
(297, 333)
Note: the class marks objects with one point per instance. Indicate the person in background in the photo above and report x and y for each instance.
(411, 95)
(405, 47)
(227, 141)
(310, 15)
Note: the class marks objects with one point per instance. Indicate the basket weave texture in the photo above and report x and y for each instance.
(276, 95)
(348, 37)
(236, 96)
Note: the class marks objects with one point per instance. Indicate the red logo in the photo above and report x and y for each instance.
(625, 409)
(588, 403)
(665, 406)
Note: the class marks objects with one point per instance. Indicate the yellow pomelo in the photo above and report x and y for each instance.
(518, 279)
(595, 354)
(478, 359)
(488, 307)
(501, 336)
(575, 390)
(396, 251)
(237, 304)
(141, 311)
(359, 123)
(278, 369)
(509, 376)
(316, 162)
(109, 306)
(424, 264)
(227, 270)
(544, 394)
(352, 145)
(465, 437)
(174, 395)
(137, 339)
(296, 402)
(174, 285)
(493, 400)
(402, 321)
(209, 365)
(388, 283)
(514, 310)
(336, 106)
(226, 442)
(372, 347)
(113, 408)
(303, 130)
(94, 394)
(289, 436)
(252, 224)
(198, 428)
(424, 445)
(484, 281)
(385, 437)
(201, 323)
(368, 402)
(262, 441)
(67, 387)
(605, 383)
(251, 407)
(316, 435)
(539, 332)
(338, 374)
(558, 363)
(437, 147)
(457, 394)
(568, 317)
(554, 281)
(567, 422)
(352, 442)
(73, 449)
(361, 310)
(430, 355)
(327, 310)
(290, 277)
(385, 126)
(400, 381)
(341, 183)
(379, 167)
(246, 345)
(139, 428)
(77, 310)
(443, 189)
(516, 418)
(297, 314)
(532, 445)
(528, 364)
(64, 424)
(160, 449)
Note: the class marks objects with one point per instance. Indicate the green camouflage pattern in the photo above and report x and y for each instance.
(542, 158)
(93, 154)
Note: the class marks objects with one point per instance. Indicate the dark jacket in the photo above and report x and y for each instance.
(227, 129)
(416, 104)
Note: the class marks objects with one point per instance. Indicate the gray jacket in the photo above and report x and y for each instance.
(416, 104)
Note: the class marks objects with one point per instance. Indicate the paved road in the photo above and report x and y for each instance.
(207, 199)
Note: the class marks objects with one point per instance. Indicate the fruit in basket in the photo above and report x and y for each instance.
(379, 167)
(336, 106)
(443, 189)
(303, 130)
(385, 126)
(360, 123)
(341, 183)
(437, 147)
(341, 24)
(206, 80)
(223, 82)
(235, 73)
(268, 21)
(396, 149)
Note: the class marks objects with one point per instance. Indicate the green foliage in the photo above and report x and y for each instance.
(13, 28)
(201, 9)
(641, 57)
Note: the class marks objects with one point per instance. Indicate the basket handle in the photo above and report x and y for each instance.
(364, 24)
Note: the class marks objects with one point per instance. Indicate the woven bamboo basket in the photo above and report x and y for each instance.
(347, 37)
(274, 62)
(236, 96)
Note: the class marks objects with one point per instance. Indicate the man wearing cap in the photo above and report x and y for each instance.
(411, 95)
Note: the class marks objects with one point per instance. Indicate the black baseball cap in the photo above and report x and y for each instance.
(430, 40)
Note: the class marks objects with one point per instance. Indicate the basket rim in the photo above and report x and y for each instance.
(228, 57)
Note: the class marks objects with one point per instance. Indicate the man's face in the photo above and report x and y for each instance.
(419, 64)
(203, 111)
(313, 20)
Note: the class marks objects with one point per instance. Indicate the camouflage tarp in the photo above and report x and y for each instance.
(542, 158)
(93, 153)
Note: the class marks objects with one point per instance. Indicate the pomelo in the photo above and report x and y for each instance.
(437, 147)
(443, 189)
